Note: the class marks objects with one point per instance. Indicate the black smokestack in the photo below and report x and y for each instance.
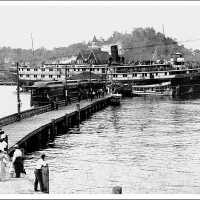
(114, 53)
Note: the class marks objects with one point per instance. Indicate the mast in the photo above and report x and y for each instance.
(163, 29)
(32, 44)
(18, 95)
(165, 49)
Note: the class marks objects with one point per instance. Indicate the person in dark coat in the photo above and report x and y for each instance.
(18, 162)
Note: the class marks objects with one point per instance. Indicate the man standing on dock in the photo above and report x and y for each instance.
(38, 173)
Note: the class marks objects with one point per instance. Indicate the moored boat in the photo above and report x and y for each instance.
(149, 77)
(115, 99)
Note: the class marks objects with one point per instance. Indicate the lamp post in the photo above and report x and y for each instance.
(18, 96)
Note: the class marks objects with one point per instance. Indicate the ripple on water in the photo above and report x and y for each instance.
(145, 145)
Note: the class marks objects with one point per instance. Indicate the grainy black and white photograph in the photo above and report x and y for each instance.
(99, 98)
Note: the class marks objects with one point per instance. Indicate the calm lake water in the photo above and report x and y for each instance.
(146, 145)
(8, 100)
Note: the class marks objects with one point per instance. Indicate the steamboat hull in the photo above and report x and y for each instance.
(182, 85)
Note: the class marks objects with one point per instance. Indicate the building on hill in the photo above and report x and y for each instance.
(93, 56)
(95, 43)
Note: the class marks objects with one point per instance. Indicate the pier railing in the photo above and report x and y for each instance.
(34, 111)
(31, 112)
(8, 119)
(24, 114)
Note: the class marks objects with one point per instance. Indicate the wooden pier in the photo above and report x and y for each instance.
(36, 131)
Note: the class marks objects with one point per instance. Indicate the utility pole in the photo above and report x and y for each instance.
(18, 96)
(32, 58)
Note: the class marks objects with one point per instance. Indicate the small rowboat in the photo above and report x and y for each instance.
(115, 99)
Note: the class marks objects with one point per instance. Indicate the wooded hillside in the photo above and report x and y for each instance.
(140, 44)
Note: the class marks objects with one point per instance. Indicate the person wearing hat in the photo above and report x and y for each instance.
(18, 161)
(38, 172)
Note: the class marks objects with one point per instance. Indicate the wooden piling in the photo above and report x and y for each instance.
(66, 122)
(45, 179)
(85, 114)
(53, 130)
(78, 113)
(69, 122)
(39, 140)
(25, 146)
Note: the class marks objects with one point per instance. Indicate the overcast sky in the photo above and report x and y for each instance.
(54, 25)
